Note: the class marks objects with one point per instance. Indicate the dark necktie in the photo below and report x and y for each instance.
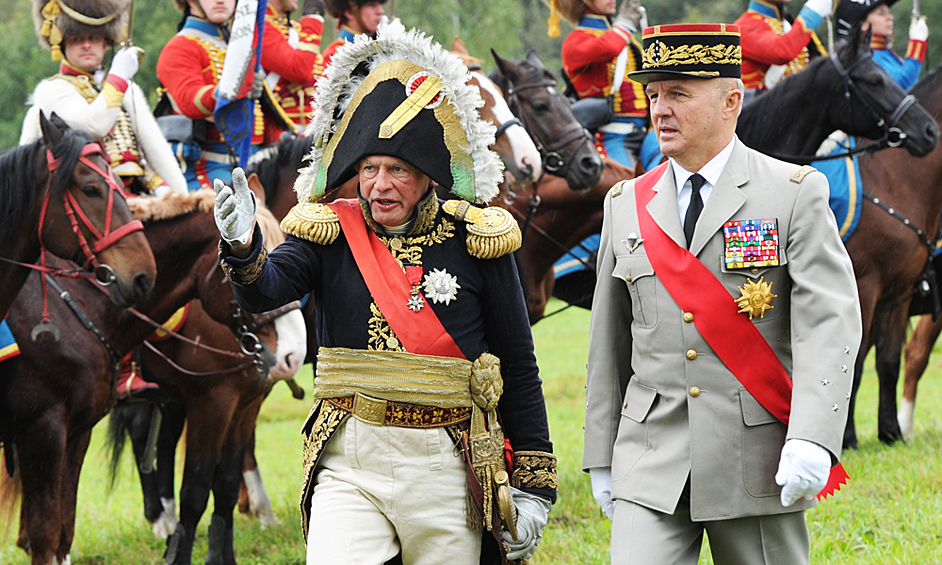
(695, 207)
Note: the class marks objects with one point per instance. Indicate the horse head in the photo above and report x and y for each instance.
(521, 158)
(873, 105)
(86, 217)
(566, 147)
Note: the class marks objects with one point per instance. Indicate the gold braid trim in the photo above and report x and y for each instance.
(492, 231)
(324, 419)
(660, 55)
(246, 275)
(313, 222)
(534, 469)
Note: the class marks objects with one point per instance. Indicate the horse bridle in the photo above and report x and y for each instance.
(73, 209)
(501, 128)
(549, 149)
(892, 135)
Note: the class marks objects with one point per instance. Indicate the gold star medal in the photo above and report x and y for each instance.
(756, 298)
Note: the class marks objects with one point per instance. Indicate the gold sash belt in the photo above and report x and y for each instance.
(394, 376)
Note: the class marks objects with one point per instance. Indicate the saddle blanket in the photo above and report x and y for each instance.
(8, 346)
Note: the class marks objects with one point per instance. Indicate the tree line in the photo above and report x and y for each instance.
(509, 27)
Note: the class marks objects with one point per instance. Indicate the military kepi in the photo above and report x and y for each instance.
(677, 51)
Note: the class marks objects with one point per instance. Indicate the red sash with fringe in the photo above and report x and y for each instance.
(734, 338)
(420, 332)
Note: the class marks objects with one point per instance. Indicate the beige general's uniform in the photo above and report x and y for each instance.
(661, 406)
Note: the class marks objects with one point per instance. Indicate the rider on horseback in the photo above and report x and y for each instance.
(354, 17)
(597, 55)
(104, 103)
(775, 45)
(292, 60)
(875, 15)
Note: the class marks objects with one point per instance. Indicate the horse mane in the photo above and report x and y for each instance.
(767, 103)
(18, 190)
(269, 162)
(171, 205)
(16, 182)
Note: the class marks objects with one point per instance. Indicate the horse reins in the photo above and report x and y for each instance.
(892, 135)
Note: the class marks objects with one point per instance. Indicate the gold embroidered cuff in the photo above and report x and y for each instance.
(534, 469)
(246, 275)
(113, 97)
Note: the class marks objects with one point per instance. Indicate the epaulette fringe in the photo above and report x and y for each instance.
(313, 222)
(492, 231)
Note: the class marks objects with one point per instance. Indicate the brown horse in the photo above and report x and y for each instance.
(221, 398)
(55, 391)
(59, 195)
(890, 252)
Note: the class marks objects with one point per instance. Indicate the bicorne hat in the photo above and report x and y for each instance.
(849, 13)
(689, 51)
(404, 96)
(58, 20)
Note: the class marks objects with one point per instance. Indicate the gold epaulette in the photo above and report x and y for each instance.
(313, 222)
(801, 173)
(492, 231)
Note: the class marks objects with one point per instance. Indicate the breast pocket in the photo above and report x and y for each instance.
(636, 271)
(768, 282)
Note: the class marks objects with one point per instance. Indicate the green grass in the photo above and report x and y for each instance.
(890, 513)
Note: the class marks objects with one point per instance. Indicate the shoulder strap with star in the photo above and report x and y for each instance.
(492, 231)
(312, 221)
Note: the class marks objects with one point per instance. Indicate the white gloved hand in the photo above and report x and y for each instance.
(821, 7)
(602, 489)
(630, 13)
(803, 470)
(532, 515)
(235, 208)
(919, 29)
(126, 62)
(258, 85)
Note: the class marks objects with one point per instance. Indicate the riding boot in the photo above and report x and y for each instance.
(220, 543)
(179, 547)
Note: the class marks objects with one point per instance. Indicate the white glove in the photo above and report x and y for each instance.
(532, 515)
(630, 13)
(821, 7)
(803, 470)
(919, 29)
(602, 489)
(258, 86)
(126, 62)
(235, 208)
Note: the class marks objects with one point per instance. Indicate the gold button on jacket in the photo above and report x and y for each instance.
(694, 391)
(691, 354)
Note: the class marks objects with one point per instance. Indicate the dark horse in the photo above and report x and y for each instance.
(889, 257)
(555, 214)
(55, 391)
(59, 195)
(220, 396)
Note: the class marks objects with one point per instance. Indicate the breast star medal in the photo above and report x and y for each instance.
(756, 298)
(441, 287)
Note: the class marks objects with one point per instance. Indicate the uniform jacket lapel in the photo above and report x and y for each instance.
(724, 201)
(663, 208)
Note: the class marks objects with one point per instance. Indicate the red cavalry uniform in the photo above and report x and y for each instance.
(589, 59)
(292, 60)
(344, 34)
(765, 41)
(189, 68)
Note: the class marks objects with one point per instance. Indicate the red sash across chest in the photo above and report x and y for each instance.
(420, 332)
